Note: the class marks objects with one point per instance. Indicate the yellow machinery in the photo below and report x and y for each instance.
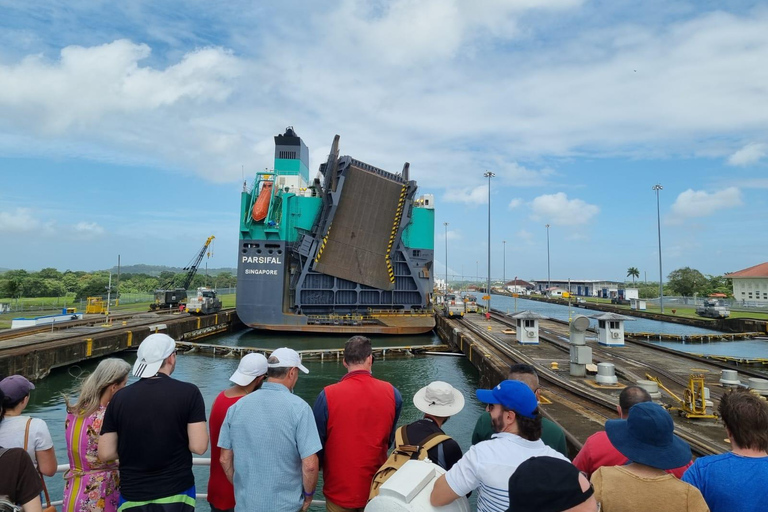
(95, 305)
(693, 404)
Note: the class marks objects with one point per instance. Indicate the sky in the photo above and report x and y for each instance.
(128, 128)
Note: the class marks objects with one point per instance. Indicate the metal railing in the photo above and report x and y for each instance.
(196, 461)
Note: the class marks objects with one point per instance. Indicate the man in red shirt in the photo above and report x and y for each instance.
(598, 450)
(356, 420)
(248, 378)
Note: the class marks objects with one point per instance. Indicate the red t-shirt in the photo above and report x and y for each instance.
(598, 451)
(221, 494)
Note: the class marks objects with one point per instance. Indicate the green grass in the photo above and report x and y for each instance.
(227, 301)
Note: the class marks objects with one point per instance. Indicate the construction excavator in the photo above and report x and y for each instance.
(168, 297)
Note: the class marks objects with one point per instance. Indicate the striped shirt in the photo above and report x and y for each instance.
(488, 465)
(269, 432)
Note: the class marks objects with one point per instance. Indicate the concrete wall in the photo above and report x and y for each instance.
(37, 360)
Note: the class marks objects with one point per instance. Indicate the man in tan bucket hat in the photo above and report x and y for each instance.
(438, 401)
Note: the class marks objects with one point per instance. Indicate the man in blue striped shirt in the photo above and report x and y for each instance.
(269, 442)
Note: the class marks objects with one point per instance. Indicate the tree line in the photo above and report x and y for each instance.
(684, 281)
(49, 282)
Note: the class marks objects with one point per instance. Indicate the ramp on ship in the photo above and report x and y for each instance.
(358, 243)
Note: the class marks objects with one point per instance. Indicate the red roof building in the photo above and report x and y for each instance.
(760, 270)
(751, 284)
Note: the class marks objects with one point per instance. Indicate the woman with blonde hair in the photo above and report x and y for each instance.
(92, 485)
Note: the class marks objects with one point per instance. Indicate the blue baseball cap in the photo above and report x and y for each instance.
(512, 394)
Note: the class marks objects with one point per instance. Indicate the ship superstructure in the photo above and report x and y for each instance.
(352, 251)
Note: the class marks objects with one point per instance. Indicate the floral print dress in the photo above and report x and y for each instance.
(91, 485)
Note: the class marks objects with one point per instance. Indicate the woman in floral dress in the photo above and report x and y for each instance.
(91, 484)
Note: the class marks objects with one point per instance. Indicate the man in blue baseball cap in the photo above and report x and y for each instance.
(487, 466)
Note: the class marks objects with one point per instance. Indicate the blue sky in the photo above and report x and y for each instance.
(126, 129)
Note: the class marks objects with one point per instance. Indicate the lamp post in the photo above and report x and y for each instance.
(489, 175)
(446, 256)
(657, 187)
(549, 282)
(504, 266)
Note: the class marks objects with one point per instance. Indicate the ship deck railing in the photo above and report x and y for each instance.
(196, 461)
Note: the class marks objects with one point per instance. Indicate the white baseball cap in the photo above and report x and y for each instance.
(287, 358)
(152, 352)
(251, 366)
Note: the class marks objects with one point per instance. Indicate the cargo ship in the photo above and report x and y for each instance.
(349, 252)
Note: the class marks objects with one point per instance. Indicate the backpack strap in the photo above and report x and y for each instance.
(433, 440)
(401, 437)
(26, 434)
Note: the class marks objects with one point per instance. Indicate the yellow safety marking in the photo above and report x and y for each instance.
(198, 322)
(216, 319)
(130, 339)
(88, 347)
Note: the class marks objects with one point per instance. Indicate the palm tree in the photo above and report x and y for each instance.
(633, 273)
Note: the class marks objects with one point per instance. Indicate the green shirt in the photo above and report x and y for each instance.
(552, 435)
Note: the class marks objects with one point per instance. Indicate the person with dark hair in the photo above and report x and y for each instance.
(438, 401)
(546, 484)
(736, 481)
(154, 426)
(21, 431)
(356, 419)
(647, 439)
(20, 484)
(598, 450)
(551, 433)
(487, 466)
(269, 442)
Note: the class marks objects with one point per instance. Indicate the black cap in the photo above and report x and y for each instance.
(546, 484)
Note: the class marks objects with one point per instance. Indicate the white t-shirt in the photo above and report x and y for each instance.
(487, 467)
(12, 430)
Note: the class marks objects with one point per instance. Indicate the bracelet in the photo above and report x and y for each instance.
(307, 494)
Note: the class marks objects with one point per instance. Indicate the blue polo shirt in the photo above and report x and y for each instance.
(730, 482)
(270, 432)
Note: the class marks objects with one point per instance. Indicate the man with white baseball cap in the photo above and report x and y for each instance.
(155, 470)
(269, 442)
(438, 401)
(248, 377)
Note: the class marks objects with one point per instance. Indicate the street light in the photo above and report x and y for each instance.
(657, 187)
(446, 256)
(549, 283)
(489, 175)
(504, 266)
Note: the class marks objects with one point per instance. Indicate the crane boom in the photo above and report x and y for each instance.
(168, 297)
(192, 268)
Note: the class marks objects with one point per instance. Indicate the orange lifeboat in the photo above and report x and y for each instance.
(261, 206)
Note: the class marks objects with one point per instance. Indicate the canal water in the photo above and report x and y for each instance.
(211, 375)
(740, 348)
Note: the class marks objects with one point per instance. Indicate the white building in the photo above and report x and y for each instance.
(751, 284)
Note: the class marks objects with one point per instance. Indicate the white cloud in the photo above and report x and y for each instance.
(524, 235)
(453, 234)
(21, 220)
(514, 203)
(477, 195)
(557, 209)
(87, 85)
(450, 86)
(698, 203)
(749, 154)
(88, 230)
